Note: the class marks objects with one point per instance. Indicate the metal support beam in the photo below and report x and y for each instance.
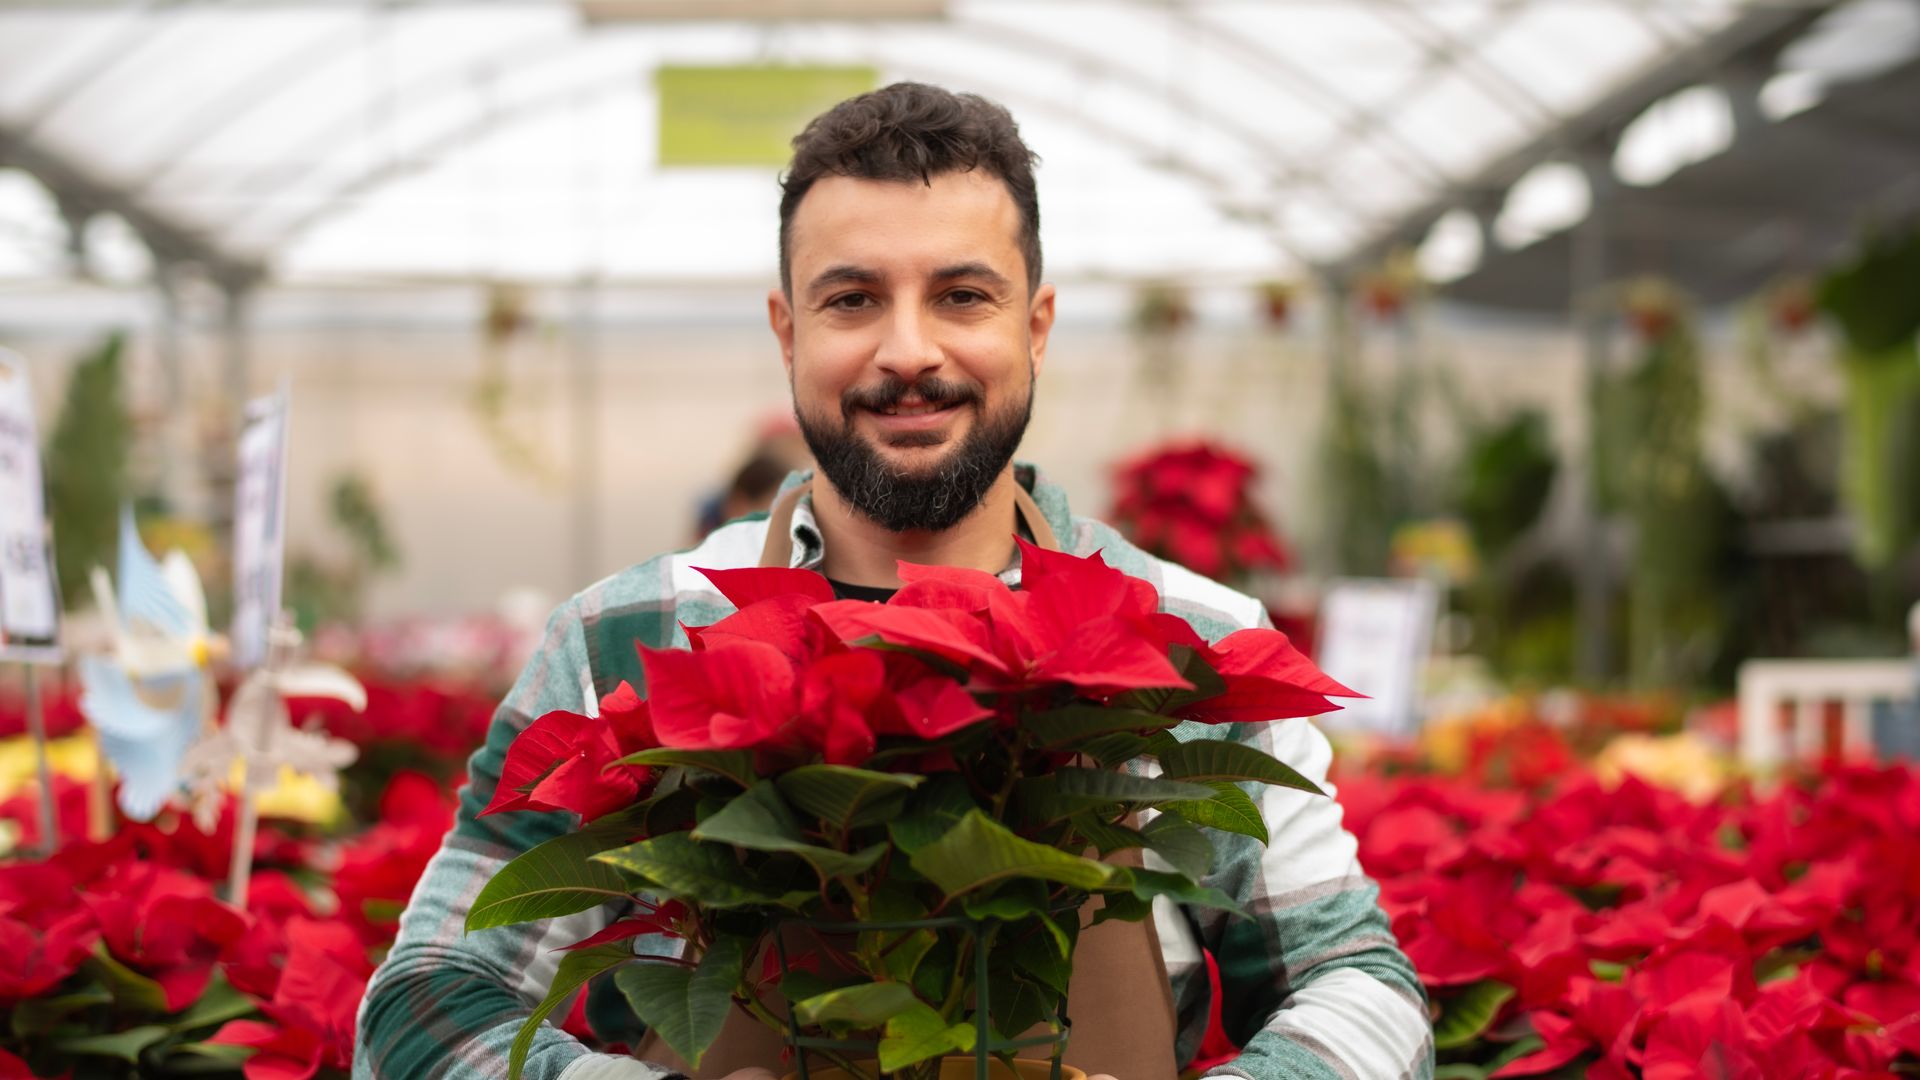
(81, 195)
(1761, 30)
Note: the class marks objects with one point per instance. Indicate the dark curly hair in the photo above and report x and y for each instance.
(912, 131)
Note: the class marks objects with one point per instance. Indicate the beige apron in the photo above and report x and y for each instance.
(1119, 999)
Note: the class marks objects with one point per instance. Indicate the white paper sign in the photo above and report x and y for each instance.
(259, 527)
(1374, 637)
(29, 596)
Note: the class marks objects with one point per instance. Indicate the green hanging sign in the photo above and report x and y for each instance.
(746, 114)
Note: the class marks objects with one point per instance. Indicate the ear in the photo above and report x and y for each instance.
(1040, 325)
(780, 318)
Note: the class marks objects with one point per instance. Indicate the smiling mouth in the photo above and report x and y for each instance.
(921, 409)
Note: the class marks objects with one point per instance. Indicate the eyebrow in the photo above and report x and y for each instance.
(972, 270)
(843, 274)
(849, 274)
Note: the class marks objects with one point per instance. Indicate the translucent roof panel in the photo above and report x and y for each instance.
(442, 139)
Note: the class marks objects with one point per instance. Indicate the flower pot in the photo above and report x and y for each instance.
(962, 1067)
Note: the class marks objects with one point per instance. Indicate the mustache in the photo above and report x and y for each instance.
(893, 390)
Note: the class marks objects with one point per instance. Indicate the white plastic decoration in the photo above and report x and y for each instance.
(153, 696)
(260, 738)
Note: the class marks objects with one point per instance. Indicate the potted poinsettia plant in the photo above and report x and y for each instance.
(889, 816)
(1192, 502)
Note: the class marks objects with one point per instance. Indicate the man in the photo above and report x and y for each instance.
(912, 322)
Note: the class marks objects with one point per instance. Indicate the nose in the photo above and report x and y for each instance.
(908, 348)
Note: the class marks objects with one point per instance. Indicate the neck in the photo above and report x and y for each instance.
(859, 551)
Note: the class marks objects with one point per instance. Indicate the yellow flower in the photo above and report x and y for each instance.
(72, 756)
(1682, 763)
(295, 796)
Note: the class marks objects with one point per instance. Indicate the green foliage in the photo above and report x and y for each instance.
(576, 968)
(1466, 1015)
(320, 591)
(759, 819)
(686, 1005)
(1652, 471)
(980, 851)
(85, 465)
(909, 884)
(1506, 473)
(1872, 299)
(1229, 810)
(558, 877)
(1216, 759)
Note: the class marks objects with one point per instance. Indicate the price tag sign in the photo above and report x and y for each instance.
(1374, 637)
(259, 528)
(29, 594)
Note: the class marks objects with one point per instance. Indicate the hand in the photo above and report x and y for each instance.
(755, 1072)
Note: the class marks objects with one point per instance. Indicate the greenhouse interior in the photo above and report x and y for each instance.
(1464, 619)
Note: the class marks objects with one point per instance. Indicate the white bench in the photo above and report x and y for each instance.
(1784, 706)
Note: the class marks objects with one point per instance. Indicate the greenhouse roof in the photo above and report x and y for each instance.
(1230, 139)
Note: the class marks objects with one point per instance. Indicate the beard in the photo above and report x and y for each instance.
(934, 497)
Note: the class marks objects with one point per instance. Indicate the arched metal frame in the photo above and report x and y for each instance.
(1444, 51)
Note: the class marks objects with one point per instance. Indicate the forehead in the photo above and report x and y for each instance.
(906, 226)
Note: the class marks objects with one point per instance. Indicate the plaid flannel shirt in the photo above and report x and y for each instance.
(1314, 984)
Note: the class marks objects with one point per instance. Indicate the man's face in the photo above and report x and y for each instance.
(911, 341)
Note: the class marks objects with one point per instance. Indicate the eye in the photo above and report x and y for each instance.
(850, 301)
(966, 297)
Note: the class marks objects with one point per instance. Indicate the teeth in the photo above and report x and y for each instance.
(911, 410)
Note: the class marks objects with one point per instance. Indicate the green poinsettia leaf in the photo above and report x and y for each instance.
(687, 1006)
(1147, 884)
(1218, 759)
(1229, 810)
(130, 989)
(1193, 667)
(1047, 959)
(735, 765)
(557, 877)
(920, 1033)
(576, 969)
(214, 1059)
(1115, 750)
(845, 797)
(124, 1045)
(1107, 838)
(38, 1016)
(1181, 843)
(1124, 907)
(931, 810)
(1016, 899)
(760, 819)
(1466, 1015)
(685, 868)
(865, 1005)
(800, 985)
(1070, 725)
(980, 851)
(1099, 788)
(1016, 1003)
(217, 1004)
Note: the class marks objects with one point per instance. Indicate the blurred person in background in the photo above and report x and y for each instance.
(778, 450)
(913, 323)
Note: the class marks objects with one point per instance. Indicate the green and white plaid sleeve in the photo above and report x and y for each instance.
(1314, 985)
(446, 1003)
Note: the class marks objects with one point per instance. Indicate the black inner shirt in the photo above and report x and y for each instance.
(876, 593)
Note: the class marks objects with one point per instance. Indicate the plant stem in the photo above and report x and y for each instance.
(765, 1015)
